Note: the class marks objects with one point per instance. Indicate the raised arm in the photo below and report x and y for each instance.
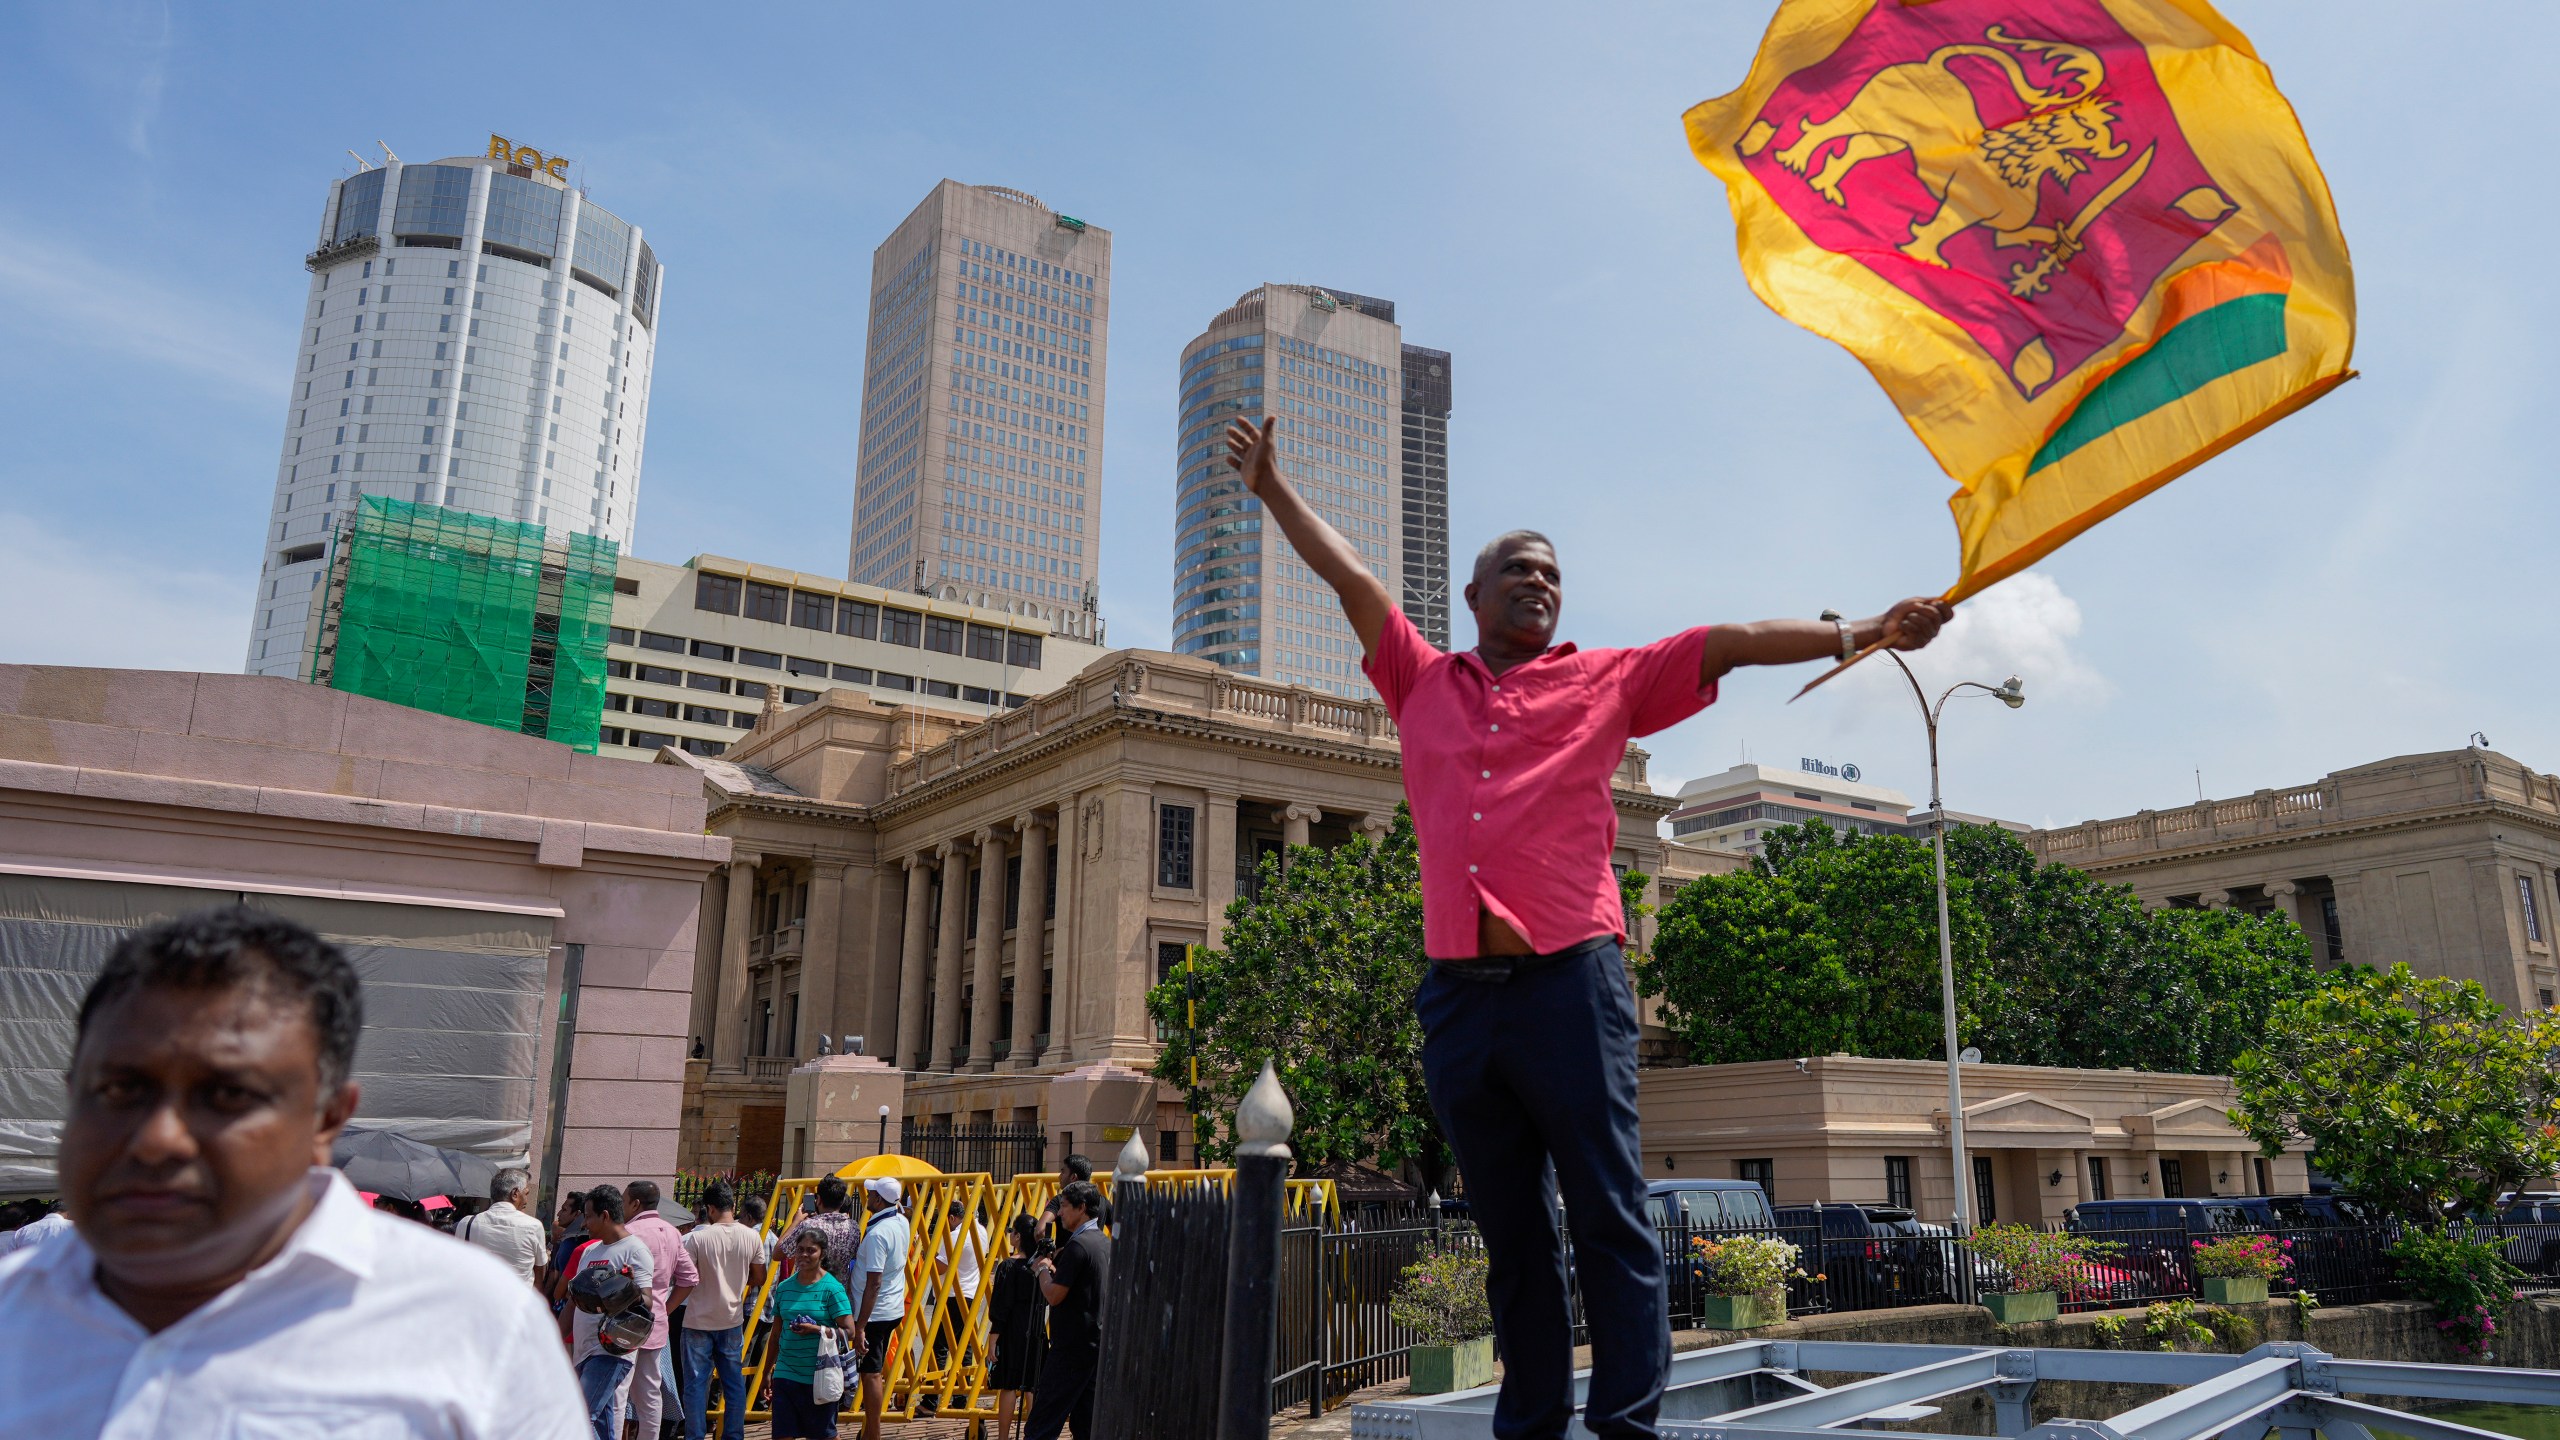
(1907, 626)
(1365, 602)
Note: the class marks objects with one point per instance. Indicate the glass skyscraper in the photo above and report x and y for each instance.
(1333, 369)
(477, 335)
(979, 474)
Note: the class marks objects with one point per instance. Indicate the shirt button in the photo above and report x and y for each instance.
(1488, 774)
(1471, 869)
(1497, 727)
(1479, 814)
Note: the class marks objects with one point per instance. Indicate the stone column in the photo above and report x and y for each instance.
(729, 1031)
(1061, 1049)
(1294, 820)
(2288, 902)
(985, 1008)
(954, 855)
(2215, 899)
(1374, 827)
(1030, 938)
(704, 1019)
(1218, 841)
(914, 964)
(820, 939)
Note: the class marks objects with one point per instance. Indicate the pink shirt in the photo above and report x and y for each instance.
(1509, 777)
(672, 1265)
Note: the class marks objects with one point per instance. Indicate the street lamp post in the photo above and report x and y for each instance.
(2010, 693)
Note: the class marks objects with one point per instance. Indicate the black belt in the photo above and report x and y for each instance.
(1501, 969)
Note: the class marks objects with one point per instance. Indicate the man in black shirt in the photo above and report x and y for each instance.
(1073, 1282)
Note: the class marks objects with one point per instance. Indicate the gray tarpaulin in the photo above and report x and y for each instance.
(453, 1000)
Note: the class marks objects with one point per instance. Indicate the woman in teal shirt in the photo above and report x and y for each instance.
(805, 1303)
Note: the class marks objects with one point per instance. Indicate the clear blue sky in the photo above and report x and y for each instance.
(2370, 578)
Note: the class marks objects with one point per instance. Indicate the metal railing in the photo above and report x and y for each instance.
(1000, 1151)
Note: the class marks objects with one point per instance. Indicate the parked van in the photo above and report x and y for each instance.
(1708, 1205)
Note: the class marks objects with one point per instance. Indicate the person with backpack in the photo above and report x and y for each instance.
(609, 1285)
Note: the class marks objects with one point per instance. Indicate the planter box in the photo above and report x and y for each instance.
(2226, 1290)
(2019, 1308)
(1439, 1369)
(1738, 1312)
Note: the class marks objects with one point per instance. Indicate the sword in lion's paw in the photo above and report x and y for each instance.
(2025, 280)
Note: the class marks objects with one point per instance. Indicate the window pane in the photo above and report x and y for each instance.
(813, 612)
(859, 619)
(902, 627)
(986, 643)
(1173, 846)
(1022, 650)
(942, 634)
(767, 602)
(717, 593)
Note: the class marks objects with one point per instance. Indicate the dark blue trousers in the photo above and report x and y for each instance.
(1534, 1080)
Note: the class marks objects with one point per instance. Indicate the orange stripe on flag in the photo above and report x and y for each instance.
(2259, 270)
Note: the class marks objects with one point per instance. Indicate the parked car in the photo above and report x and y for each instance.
(2531, 1227)
(1882, 1250)
(1711, 1206)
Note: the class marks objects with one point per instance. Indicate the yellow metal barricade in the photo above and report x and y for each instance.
(941, 1352)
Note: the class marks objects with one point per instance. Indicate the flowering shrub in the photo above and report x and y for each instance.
(1746, 1265)
(2033, 1260)
(1441, 1298)
(2244, 1257)
(2469, 1282)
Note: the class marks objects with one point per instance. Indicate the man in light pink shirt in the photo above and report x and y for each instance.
(1529, 1025)
(674, 1278)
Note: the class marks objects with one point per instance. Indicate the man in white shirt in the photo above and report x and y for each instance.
(730, 1259)
(37, 1231)
(880, 1301)
(508, 1229)
(218, 1283)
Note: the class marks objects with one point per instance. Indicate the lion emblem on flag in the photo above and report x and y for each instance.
(1984, 175)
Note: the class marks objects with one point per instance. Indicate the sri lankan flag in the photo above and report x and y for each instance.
(2081, 243)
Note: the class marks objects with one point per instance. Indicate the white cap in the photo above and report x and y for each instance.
(884, 1186)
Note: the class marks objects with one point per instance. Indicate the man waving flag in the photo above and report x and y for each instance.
(2081, 243)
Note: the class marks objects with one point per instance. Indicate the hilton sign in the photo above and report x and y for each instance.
(507, 152)
(1811, 766)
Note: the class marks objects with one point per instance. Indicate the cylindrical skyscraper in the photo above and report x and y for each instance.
(478, 335)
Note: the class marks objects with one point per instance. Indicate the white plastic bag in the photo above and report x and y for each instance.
(826, 1382)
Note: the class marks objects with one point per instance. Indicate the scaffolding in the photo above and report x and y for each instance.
(487, 620)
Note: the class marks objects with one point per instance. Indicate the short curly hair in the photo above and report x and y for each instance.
(234, 947)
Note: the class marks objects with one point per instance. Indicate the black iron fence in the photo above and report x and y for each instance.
(1000, 1150)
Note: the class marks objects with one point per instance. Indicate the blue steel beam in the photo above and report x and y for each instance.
(2409, 1381)
(2336, 1415)
(1860, 1398)
(2214, 1405)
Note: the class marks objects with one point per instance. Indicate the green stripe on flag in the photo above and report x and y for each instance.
(2231, 336)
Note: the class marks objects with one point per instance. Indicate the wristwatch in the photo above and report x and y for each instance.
(1848, 640)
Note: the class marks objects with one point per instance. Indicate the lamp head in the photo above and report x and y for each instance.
(2011, 693)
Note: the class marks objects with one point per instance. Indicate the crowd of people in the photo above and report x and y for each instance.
(206, 1272)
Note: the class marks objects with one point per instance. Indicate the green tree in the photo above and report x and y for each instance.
(2416, 1093)
(1829, 944)
(1318, 975)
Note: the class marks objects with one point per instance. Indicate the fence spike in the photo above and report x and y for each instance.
(1132, 1164)
(1264, 1120)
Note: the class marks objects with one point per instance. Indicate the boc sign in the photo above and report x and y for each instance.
(507, 152)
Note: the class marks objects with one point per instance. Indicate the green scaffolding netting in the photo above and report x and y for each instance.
(475, 617)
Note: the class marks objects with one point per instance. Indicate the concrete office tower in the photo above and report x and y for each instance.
(478, 335)
(1424, 467)
(1329, 366)
(980, 473)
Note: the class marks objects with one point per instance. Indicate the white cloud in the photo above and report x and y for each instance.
(91, 605)
(55, 294)
(2024, 626)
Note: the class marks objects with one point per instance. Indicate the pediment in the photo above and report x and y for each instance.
(2188, 1120)
(2027, 1113)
